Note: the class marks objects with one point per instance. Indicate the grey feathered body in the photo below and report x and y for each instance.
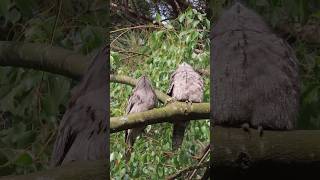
(255, 74)
(83, 129)
(142, 99)
(185, 85)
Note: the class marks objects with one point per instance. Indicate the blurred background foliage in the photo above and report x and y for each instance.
(32, 102)
(156, 52)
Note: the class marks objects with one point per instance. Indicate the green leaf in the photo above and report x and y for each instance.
(24, 159)
(158, 17)
(181, 18)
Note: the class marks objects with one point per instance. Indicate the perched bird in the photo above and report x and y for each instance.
(82, 133)
(185, 85)
(142, 99)
(255, 81)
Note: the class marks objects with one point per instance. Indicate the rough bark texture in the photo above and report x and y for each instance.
(277, 154)
(83, 129)
(43, 57)
(255, 74)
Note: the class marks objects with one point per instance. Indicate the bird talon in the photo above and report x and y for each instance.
(170, 100)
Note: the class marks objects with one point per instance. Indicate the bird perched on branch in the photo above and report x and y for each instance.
(185, 85)
(142, 99)
(82, 133)
(255, 73)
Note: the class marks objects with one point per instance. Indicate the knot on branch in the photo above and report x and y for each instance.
(243, 161)
(124, 118)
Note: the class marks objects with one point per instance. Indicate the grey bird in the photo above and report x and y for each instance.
(82, 133)
(255, 81)
(143, 98)
(185, 85)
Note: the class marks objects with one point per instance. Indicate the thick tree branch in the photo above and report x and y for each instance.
(43, 57)
(174, 111)
(80, 170)
(236, 152)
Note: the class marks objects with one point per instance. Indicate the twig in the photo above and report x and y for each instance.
(185, 170)
(177, 5)
(204, 155)
(120, 50)
(137, 27)
(118, 36)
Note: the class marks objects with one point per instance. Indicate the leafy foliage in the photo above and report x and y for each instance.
(33, 102)
(161, 50)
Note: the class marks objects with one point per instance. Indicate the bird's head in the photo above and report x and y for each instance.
(144, 82)
(185, 65)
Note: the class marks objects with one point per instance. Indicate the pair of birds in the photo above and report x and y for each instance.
(185, 85)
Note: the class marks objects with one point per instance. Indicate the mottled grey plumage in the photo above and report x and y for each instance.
(142, 99)
(255, 73)
(83, 129)
(185, 85)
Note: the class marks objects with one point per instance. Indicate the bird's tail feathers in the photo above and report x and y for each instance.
(178, 134)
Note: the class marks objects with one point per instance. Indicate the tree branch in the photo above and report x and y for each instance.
(236, 152)
(43, 57)
(132, 82)
(174, 111)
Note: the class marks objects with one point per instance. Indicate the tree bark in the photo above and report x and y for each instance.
(239, 154)
(174, 111)
(80, 170)
(43, 57)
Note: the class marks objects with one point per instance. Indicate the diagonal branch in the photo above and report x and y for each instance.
(132, 82)
(174, 111)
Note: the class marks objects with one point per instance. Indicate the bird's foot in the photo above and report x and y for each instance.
(189, 102)
(187, 109)
(170, 100)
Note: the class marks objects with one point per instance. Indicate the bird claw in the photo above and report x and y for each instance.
(189, 104)
(170, 100)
